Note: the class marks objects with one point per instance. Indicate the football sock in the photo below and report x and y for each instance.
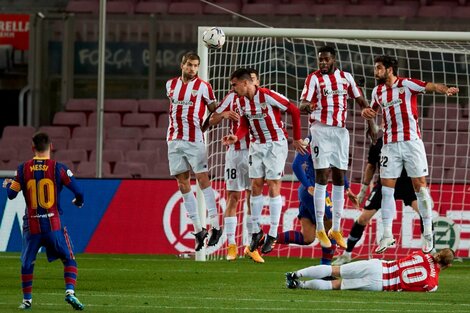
(256, 208)
(27, 282)
(318, 271)
(70, 274)
(317, 284)
(291, 236)
(337, 197)
(319, 202)
(230, 225)
(328, 253)
(354, 236)
(209, 197)
(388, 208)
(425, 209)
(190, 205)
(275, 206)
(249, 224)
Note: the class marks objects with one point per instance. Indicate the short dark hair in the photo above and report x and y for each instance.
(242, 74)
(329, 49)
(41, 141)
(388, 61)
(190, 56)
(253, 71)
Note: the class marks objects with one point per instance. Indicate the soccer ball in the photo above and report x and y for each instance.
(214, 38)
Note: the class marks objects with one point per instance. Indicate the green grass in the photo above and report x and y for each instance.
(136, 283)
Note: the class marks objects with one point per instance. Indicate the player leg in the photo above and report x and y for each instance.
(230, 222)
(255, 256)
(328, 253)
(29, 250)
(338, 206)
(372, 205)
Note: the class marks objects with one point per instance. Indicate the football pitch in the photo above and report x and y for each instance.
(143, 283)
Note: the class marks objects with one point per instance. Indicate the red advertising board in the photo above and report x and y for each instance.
(14, 30)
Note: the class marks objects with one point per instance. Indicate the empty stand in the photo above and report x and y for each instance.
(81, 105)
(18, 132)
(120, 7)
(229, 5)
(7, 154)
(124, 133)
(139, 119)
(121, 144)
(130, 170)
(110, 156)
(82, 6)
(163, 121)
(109, 119)
(154, 133)
(156, 106)
(121, 105)
(185, 7)
(87, 144)
(143, 156)
(152, 7)
(72, 155)
(84, 132)
(56, 132)
(71, 119)
(88, 169)
(161, 170)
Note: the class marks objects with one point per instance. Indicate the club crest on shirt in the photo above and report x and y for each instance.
(194, 92)
(344, 81)
(401, 90)
(263, 105)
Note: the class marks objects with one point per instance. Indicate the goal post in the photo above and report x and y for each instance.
(284, 57)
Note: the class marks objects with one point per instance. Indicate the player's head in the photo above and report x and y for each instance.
(190, 65)
(241, 82)
(254, 76)
(41, 142)
(444, 257)
(385, 67)
(326, 59)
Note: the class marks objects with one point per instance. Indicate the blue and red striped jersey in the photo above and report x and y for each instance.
(41, 181)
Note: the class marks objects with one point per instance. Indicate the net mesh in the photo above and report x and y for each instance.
(284, 63)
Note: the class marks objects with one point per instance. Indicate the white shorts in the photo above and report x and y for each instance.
(185, 155)
(236, 170)
(410, 154)
(330, 146)
(362, 275)
(267, 160)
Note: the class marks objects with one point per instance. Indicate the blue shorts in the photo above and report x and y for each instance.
(57, 243)
(306, 207)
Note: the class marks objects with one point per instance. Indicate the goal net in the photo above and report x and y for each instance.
(284, 58)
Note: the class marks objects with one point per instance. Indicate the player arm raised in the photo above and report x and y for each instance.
(441, 88)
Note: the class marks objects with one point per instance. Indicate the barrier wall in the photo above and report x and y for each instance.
(147, 217)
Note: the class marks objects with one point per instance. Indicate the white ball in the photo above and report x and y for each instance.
(214, 38)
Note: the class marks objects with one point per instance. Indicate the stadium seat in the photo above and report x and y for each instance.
(139, 119)
(156, 106)
(121, 105)
(230, 5)
(88, 144)
(435, 11)
(71, 119)
(120, 7)
(11, 165)
(404, 9)
(130, 170)
(82, 6)
(18, 132)
(17, 143)
(121, 144)
(59, 143)
(185, 7)
(110, 156)
(154, 133)
(163, 121)
(88, 169)
(81, 105)
(364, 8)
(84, 132)
(73, 155)
(291, 9)
(161, 170)
(7, 154)
(124, 133)
(151, 7)
(256, 8)
(56, 132)
(142, 156)
(460, 125)
(432, 124)
(153, 144)
(109, 120)
(326, 9)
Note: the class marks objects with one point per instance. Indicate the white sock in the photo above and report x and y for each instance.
(249, 224)
(425, 209)
(317, 284)
(209, 197)
(190, 205)
(337, 196)
(319, 203)
(315, 272)
(256, 208)
(230, 225)
(275, 206)
(388, 209)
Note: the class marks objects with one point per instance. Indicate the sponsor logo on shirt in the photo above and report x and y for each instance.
(258, 116)
(47, 215)
(182, 102)
(393, 102)
(339, 92)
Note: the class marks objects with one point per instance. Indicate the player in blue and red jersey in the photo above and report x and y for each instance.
(305, 172)
(41, 180)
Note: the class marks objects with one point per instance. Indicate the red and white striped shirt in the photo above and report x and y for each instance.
(416, 272)
(229, 103)
(400, 108)
(187, 108)
(330, 93)
(263, 115)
